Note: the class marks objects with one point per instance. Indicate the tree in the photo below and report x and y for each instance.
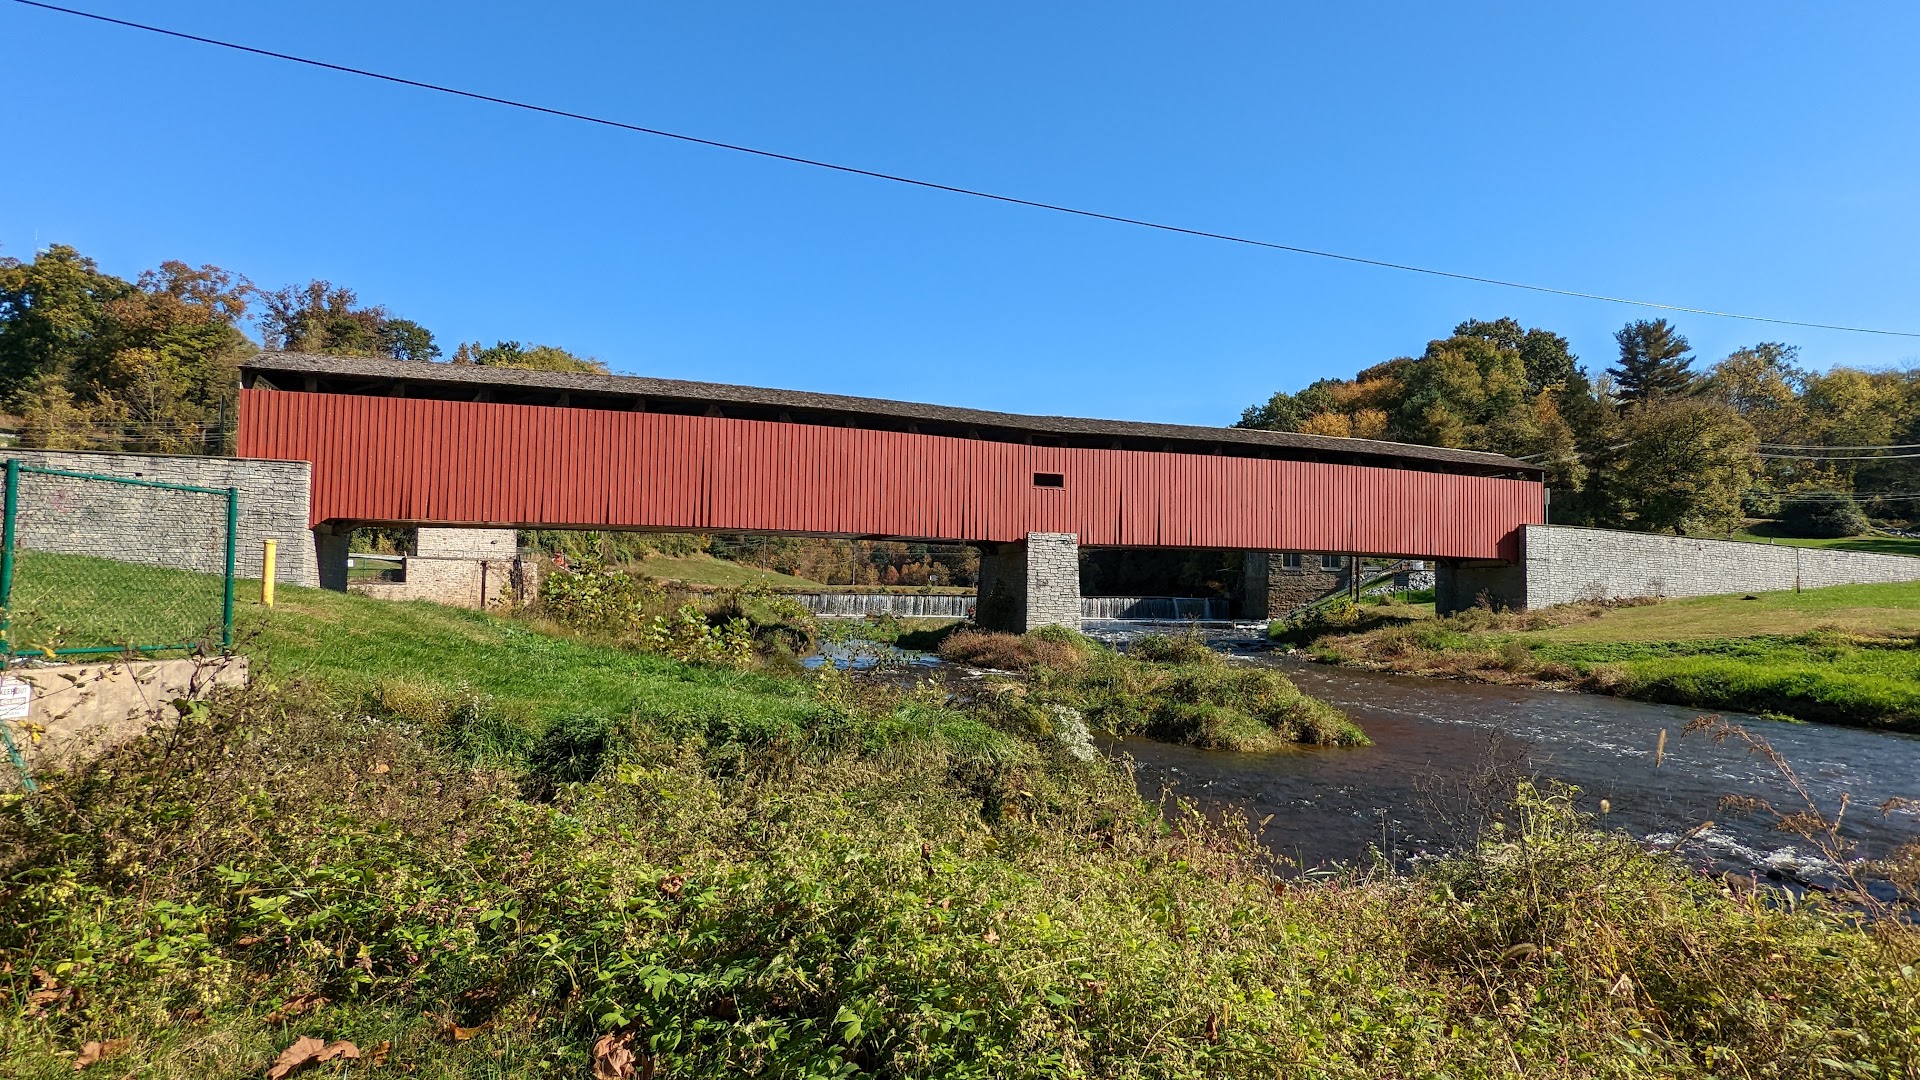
(512, 354)
(1823, 516)
(1685, 465)
(1653, 361)
(404, 339)
(52, 313)
(118, 366)
(1762, 384)
(1287, 412)
(322, 317)
(1547, 357)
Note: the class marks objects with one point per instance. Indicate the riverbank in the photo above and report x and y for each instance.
(1844, 655)
(469, 846)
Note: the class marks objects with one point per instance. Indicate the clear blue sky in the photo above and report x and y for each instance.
(1755, 157)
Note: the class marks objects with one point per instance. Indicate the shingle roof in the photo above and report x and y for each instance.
(355, 374)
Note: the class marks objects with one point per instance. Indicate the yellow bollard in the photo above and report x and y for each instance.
(268, 558)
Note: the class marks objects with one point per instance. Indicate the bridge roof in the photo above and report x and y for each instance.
(467, 382)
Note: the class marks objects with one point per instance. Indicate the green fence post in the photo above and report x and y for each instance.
(6, 562)
(233, 543)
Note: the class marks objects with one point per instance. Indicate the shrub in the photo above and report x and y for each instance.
(596, 598)
(1173, 649)
(1047, 647)
(690, 637)
(1823, 518)
(1203, 702)
(778, 623)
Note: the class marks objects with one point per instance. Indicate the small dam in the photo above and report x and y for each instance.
(899, 605)
(1155, 608)
(960, 606)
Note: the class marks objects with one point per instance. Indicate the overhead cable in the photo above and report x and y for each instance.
(953, 189)
(1790, 446)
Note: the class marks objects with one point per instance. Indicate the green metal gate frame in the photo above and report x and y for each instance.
(15, 469)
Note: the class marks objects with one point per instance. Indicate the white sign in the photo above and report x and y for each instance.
(16, 698)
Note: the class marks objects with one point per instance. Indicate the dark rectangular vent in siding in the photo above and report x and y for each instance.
(1049, 479)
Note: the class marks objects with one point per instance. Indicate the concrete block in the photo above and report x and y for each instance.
(75, 711)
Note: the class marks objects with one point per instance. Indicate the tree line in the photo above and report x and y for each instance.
(1657, 441)
(91, 361)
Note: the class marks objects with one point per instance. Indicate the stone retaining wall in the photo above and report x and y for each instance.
(1563, 565)
(161, 528)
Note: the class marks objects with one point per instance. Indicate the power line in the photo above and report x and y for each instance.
(1836, 457)
(1791, 446)
(937, 186)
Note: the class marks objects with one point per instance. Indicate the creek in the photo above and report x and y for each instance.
(1443, 749)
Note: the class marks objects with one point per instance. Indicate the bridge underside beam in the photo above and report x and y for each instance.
(1030, 583)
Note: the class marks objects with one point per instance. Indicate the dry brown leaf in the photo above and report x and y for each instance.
(100, 1051)
(39, 1000)
(295, 1006)
(379, 1055)
(381, 767)
(990, 937)
(343, 1050)
(673, 884)
(613, 1056)
(250, 939)
(297, 1056)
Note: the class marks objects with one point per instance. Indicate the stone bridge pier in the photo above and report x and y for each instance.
(463, 567)
(1030, 583)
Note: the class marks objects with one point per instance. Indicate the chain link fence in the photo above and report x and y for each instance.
(96, 564)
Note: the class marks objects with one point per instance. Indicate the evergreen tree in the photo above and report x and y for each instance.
(1653, 361)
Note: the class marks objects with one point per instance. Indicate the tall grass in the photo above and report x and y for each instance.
(872, 892)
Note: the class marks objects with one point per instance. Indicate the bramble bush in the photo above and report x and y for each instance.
(877, 886)
(596, 598)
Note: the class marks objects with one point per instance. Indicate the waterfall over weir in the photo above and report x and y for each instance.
(957, 606)
(1154, 608)
(901, 605)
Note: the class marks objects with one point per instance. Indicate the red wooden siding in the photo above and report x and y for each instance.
(383, 459)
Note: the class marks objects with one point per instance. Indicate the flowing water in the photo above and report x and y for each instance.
(1153, 608)
(1440, 746)
(900, 605)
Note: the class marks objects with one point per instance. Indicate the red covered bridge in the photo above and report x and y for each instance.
(401, 443)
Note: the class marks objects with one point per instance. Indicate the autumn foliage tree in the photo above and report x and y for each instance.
(95, 362)
(321, 317)
(1649, 443)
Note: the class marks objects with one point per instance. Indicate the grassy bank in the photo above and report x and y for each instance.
(1840, 655)
(473, 849)
(1174, 689)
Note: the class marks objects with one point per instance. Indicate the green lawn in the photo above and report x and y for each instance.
(1857, 609)
(1846, 654)
(1768, 532)
(718, 573)
(77, 601)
